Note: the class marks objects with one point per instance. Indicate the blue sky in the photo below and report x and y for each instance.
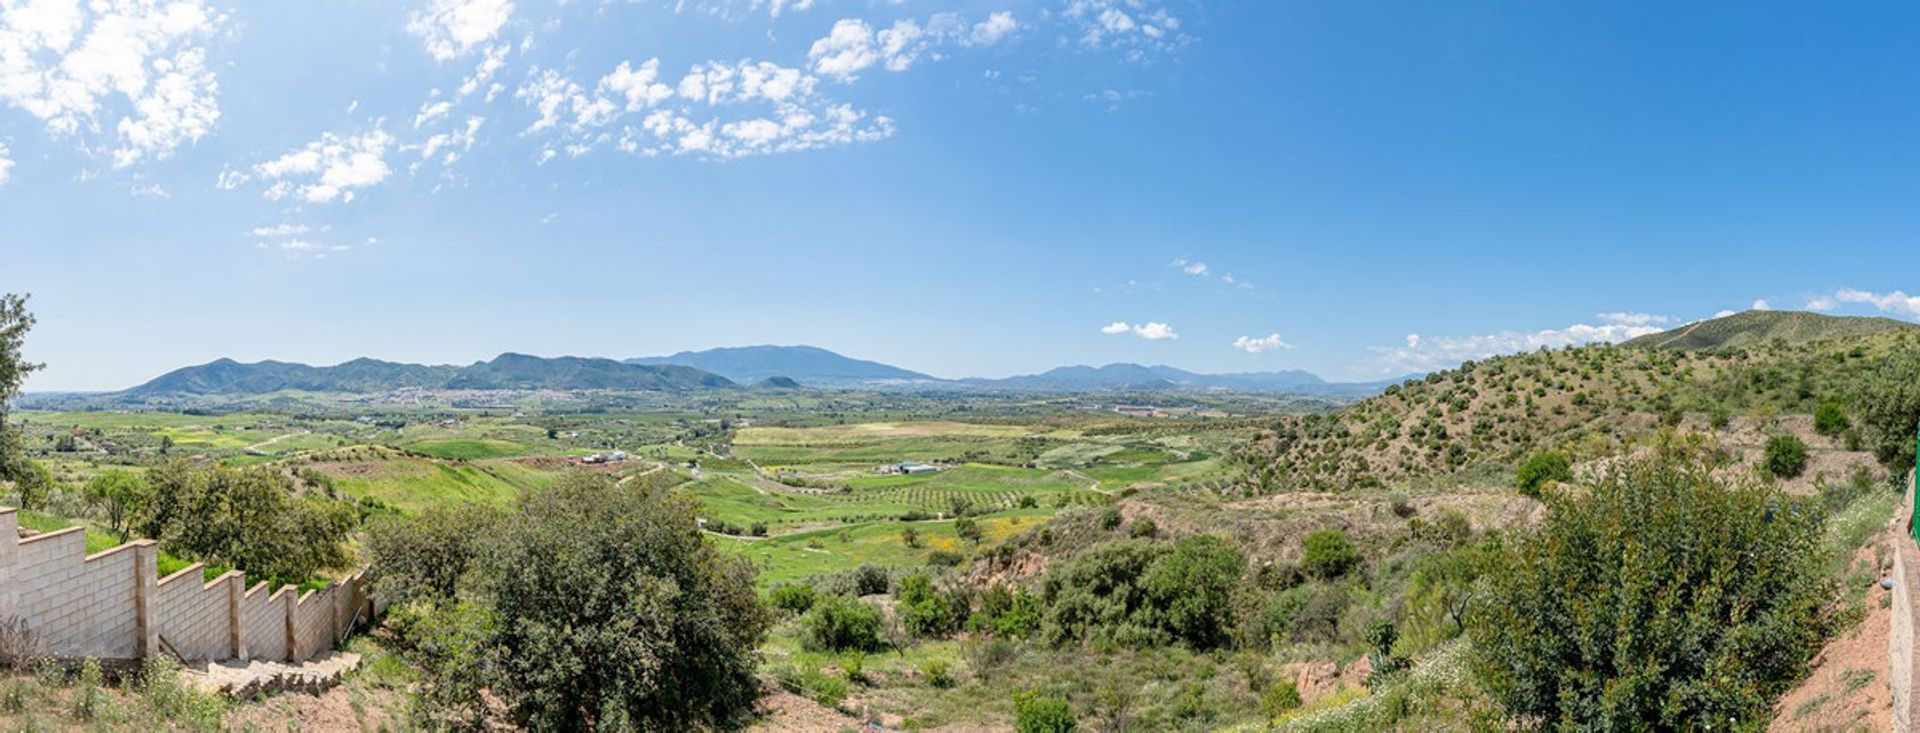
(967, 188)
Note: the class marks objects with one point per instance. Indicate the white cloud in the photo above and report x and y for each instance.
(721, 109)
(1252, 345)
(6, 165)
(1151, 330)
(1724, 313)
(151, 191)
(1762, 305)
(1897, 302)
(431, 111)
(135, 67)
(1425, 354)
(451, 28)
(280, 230)
(1154, 331)
(845, 51)
(1133, 27)
(853, 46)
(997, 26)
(333, 165)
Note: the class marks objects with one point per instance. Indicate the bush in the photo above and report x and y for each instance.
(1141, 593)
(1326, 554)
(1281, 697)
(1830, 420)
(926, 612)
(1143, 527)
(983, 657)
(1786, 456)
(422, 557)
(935, 670)
(1400, 503)
(1110, 519)
(793, 598)
(945, 558)
(1035, 713)
(1541, 470)
(1663, 599)
(839, 624)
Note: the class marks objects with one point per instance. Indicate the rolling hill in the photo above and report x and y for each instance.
(1595, 400)
(1137, 378)
(1752, 328)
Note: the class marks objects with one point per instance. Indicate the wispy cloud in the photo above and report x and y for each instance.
(1428, 353)
(1897, 302)
(451, 28)
(1151, 330)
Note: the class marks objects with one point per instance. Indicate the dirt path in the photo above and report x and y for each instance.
(1847, 689)
(261, 446)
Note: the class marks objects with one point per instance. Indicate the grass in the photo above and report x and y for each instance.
(469, 449)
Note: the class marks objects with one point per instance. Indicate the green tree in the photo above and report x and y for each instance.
(424, 556)
(968, 530)
(1327, 554)
(15, 322)
(114, 493)
(910, 537)
(1662, 599)
(610, 611)
(1540, 470)
(1142, 593)
(248, 519)
(1786, 455)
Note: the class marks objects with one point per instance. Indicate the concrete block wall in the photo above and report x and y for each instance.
(1901, 670)
(113, 604)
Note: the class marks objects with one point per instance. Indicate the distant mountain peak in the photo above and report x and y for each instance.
(803, 364)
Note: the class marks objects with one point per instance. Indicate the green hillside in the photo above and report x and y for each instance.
(1595, 400)
(1758, 327)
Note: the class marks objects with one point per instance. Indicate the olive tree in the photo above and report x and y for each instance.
(1662, 597)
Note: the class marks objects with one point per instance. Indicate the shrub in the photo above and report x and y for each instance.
(1141, 593)
(19, 647)
(1663, 598)
(910, 537)
(1280, 698)
(926, 612)
(1036, 713)
(759, 529)
(1400, 503)
(793, 598)
(1110, 519)
(1143, 527)
(935, 670)
(984, 657)
(813, 685)
(945, 558)
(1541, 470)
(1326, 554)
(1830, 420)
(1028, 502)
(840, 623)
(1786, 456)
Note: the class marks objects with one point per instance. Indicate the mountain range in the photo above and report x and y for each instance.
(752, 367)
(798, 367)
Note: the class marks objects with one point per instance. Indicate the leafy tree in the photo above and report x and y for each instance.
(425, 556)
(114, 493)
(1327, 554)
(910, 537)
(1540, 470)
(243, 518)
(1786, 455)
(1662, 599)
(32, 482)
(1887, 405)
(610, 611)
(1830, 420)
(840, 623)
(927, 612)
(15, 322)
(968, 530)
